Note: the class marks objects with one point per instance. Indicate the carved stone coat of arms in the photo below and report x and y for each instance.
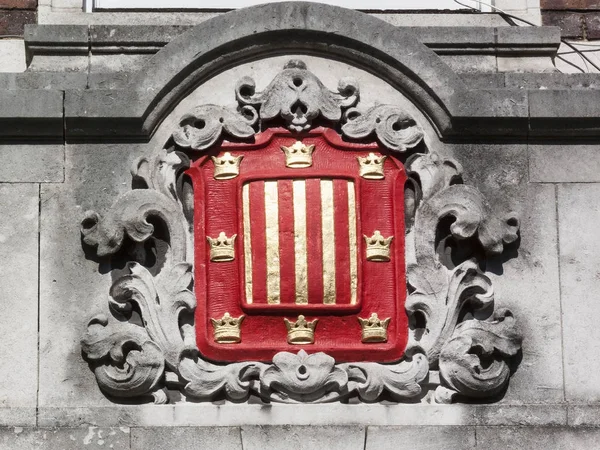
(295, 248)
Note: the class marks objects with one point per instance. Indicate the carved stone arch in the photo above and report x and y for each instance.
(393, 54)
(466, 345)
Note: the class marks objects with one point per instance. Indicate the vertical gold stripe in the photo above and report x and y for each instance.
(353, 243)
(247, 241)
(300, 241)
(328, 233)
(272, 234)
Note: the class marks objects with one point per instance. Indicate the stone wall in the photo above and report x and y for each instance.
(577, 19)
(14, 14)
(94, 99)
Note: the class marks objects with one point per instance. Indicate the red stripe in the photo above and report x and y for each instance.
(314, 240)
(342, 237)
(259, 241)
(287, 266)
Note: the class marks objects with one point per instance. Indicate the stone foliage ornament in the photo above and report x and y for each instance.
(152, 339)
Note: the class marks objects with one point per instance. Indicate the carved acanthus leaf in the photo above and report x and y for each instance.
(401, 380)
(441, 298)
(205, 380)
(129, 216)
(202, 127)
(474, 362)
(303, 377)
(473, 219)
(433, 172)
(126, 362)
(395, 128)
(298, 96)
(160, 300)
(161, 172)
(454, 299)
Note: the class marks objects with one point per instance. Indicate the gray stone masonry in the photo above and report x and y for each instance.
(301, 438)
(96, 97)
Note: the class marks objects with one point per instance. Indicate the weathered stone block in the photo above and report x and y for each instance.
(570, 4)
(553, 80)
(516, 438)
(73, 284)
(57, 36)
(123, 63)
(471, 63)
(483, 80)
(561, 112)
(571, 23)
(521, 415)
(420, 438)
(147, 38)
(535, 64)
(583, 415)
(525, 278)
(12, 56)
(528, 36)
(18, 438)
(592, 25)
(12, 21)
(213, 438)
(19, 300)
(18, 4)
(564, 163)
(50, 80)
(31, 113)
(303, 438)
(578, 218)
(334, 414)
(32, 163)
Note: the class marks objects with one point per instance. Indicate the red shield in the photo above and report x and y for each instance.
(300, 248)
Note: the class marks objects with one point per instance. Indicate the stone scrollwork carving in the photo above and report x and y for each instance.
(298, 96)
(202, 127)
(473, 361)
(394, 127)
(144, 342)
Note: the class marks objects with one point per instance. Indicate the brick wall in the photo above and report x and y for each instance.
(14, 14)
(578, 19)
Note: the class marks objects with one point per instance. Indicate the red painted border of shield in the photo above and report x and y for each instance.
(263, 330)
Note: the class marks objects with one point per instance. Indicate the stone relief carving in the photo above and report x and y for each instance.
(459, 345)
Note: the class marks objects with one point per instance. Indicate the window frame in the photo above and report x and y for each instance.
(170, 5)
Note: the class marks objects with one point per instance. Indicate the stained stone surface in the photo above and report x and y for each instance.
(584, 415)
(19, 438)
(44, 163)
(209, 438)
(334, 414)
(303, 438)
(18, 300)
(564, 163)
(420, 438)
(579, 216)
(73, 285)
(517, 438)
(525, 278)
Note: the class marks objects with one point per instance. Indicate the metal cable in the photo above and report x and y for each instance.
(507, 16)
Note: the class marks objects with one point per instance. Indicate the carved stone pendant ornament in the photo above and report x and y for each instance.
(300, 236)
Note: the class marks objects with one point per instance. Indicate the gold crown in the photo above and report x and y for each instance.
(221, 248)
(227, 166)
(227, 329)
(373, 329)
(301, 331)
(378, 247)
(298, 155)
(371, 166)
